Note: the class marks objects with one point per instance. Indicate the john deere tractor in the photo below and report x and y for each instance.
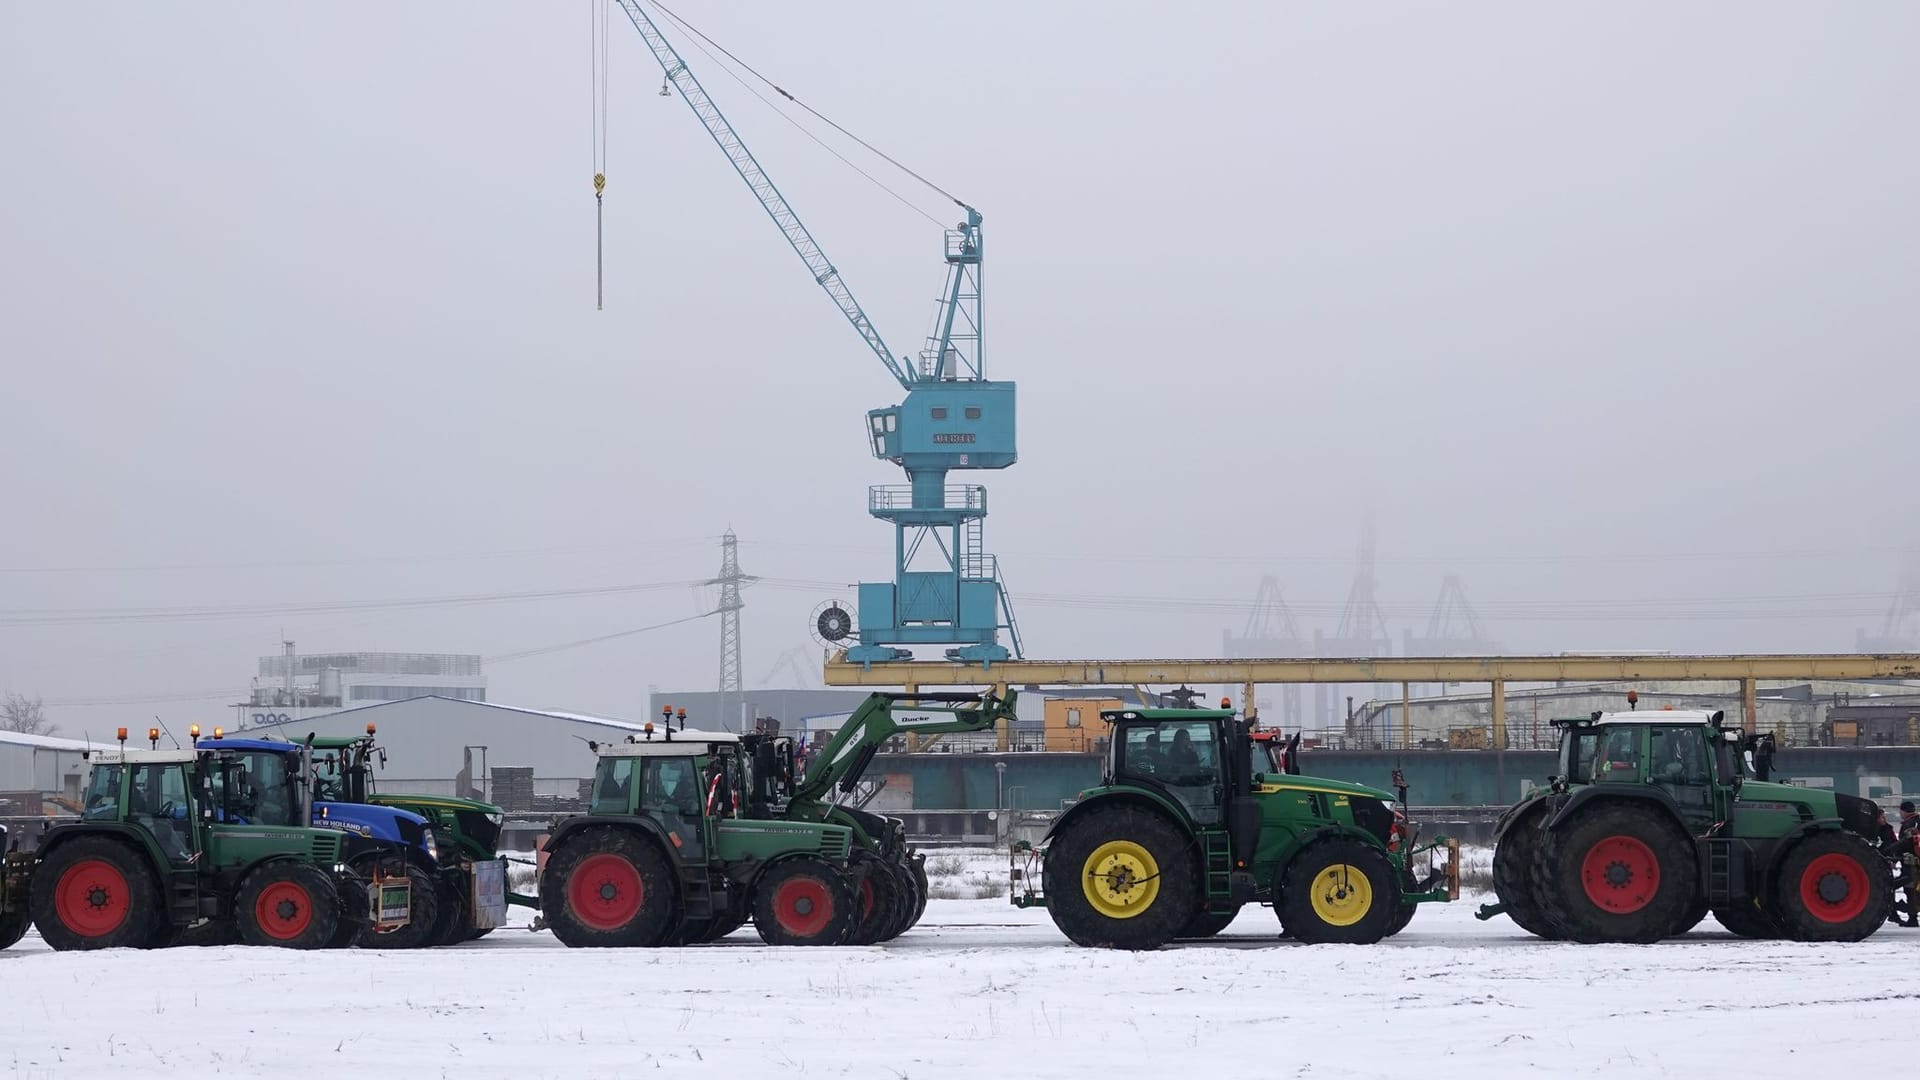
(1656, 818)
(171, 840)
(666, 854)
(1198, 814)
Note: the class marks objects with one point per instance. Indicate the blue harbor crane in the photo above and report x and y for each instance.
(946, 590)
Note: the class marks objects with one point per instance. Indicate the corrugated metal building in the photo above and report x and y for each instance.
(438, 745)
(41, 763)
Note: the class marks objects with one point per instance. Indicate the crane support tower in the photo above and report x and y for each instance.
(946, 590)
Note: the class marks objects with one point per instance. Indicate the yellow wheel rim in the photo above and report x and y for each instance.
(1342, 895)
(1120, 879)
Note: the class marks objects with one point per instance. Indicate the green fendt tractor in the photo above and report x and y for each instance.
(666, 854)
(890, 877)
(466, 832)
(1654, 819)
(171, 839)
(1183, 831)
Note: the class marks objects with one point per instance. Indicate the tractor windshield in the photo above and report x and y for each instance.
(1576, 755)
(1179, 755)
(613, 786)
(341, 775)
(103, 794)
(258, 788)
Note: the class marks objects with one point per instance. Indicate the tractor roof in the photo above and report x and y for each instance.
(686, 742)
(1651, 716)
(1113, 715)
(114, 755)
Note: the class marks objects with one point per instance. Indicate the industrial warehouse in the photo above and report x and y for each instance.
(1415, 530)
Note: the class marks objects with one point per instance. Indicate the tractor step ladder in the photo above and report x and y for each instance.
(183, 894)
(1217, 848)
(1719, 871)
(698, 896)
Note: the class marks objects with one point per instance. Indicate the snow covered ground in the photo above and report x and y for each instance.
(978, 990)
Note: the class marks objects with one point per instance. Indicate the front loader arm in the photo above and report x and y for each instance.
(845, 758)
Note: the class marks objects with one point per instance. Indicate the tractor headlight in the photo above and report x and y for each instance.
(496, 819)
(433, 849)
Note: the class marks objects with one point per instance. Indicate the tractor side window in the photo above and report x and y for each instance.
(612, 785)
(670, 792)
(1576, 756)
(262, 789)
(329, 778)
(1679, 755)
(102, 802)
(1181, 755)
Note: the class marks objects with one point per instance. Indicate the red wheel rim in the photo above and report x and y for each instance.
(1621, 874)
(283, 910)
(802, 906)
(1834, 888)
(605, 892)
(92, 898)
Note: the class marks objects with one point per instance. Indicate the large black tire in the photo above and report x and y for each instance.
(876, 899)
(456, 914)
(609, 887)
(289, 905)
(803, 901)
(1208, 923)
(908, 891)
(1339, 891)
(1748, 920)
(1121, 877)
(95, 893)
(13, 926)
(1513, 858)
(1832, 886)
(1694, 917)
(1402, 915)
(918, 862)
(1620, 872)
(424, 916)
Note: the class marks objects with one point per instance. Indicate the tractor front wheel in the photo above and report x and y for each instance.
(907, 889)
(1617, 873)
(1339, 891)
(288, 904)
(1401, 917)
(918, 863)
(1832, 887)
(876, 899)
(803, 901)
(1121, 877)
(609, 887)
(1513, 858)
(95, 893)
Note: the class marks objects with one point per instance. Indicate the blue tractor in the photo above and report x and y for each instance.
(401, 844)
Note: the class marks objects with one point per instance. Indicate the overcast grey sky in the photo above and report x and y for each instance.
(1589, 304)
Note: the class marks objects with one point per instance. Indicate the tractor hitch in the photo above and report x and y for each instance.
(1023, 875)
(1488, 911)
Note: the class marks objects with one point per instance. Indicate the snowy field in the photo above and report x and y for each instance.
(977, 990)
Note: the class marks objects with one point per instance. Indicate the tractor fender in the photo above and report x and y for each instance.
(1780, 847)
(1127, 796)
(1314, 836)
(653, 831)
(131, 835)
(1597, 793)
(1512, 815)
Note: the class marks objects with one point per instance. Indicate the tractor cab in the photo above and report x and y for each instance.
(1683, 754)
(1182, 752)
(681, 781)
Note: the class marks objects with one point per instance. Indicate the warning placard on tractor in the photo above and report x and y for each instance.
(489, 894)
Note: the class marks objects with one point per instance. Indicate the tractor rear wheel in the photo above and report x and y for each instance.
(423, 914)
(1121, 877)
(1832, 886)
(13, 926)
(1694, 917)
(1748, 920)
(288, 904)
(1401, 917)
(609, 887)
(1513, 859)
(1206, 924)
(803, 901)
(95, 893)
(1620, 872)
(1339, 891)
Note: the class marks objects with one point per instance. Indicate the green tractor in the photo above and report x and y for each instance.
(1658, 817)
(666, 854)
(466, 833)
(890, 876)
(1185, 828)
(171, 840)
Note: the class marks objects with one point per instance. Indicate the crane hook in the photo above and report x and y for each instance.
(664, 92)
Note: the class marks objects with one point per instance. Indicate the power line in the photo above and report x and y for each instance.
(79, 616)
(505, 658)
